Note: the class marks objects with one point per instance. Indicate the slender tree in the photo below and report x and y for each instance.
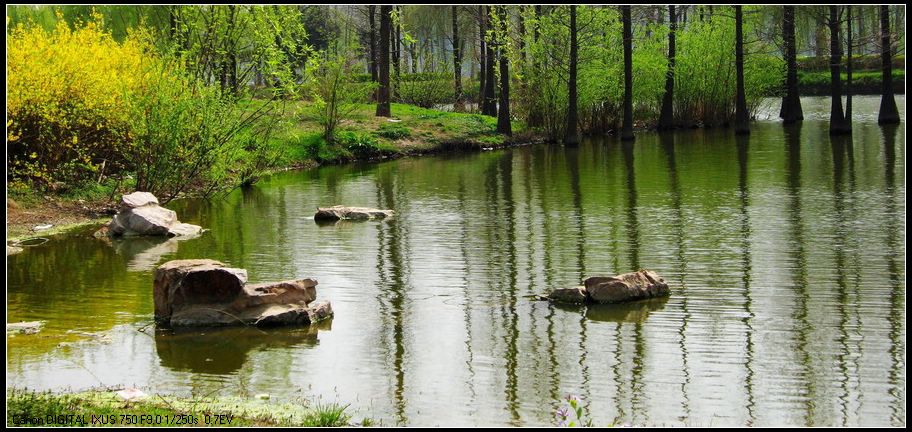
(397, 51)
(837, 116)
(503, 112)
(666, 118)
(888, 112)
(490, 103)
(481, 58)
(848, 89)
(372, 38)
(457, 60)
(570, 136)
(742, 120)
(627, 127)
(383, 92)
(791, 104)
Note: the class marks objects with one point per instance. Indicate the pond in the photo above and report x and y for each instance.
(784, 251)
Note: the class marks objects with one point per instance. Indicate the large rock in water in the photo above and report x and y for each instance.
(613, 289)
(625, 287)
(350, 213)
(198, 293)
(140, 215)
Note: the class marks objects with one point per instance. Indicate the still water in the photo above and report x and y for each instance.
(784, 250)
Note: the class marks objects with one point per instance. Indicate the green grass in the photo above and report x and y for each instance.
(104, 408)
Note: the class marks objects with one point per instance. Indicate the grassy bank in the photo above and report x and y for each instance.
(863, 82)
(106, 408)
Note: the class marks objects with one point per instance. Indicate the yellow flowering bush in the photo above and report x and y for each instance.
(66, 93)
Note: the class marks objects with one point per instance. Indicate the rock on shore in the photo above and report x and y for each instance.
(140, 215)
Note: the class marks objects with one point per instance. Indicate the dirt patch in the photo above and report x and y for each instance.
(22, 219)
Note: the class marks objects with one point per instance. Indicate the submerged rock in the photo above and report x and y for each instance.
(30, 327)
(140, 215)
(625, 287)
(350, 213)
(197, 293)
(13, 250)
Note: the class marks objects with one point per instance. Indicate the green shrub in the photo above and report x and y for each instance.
(362, 145)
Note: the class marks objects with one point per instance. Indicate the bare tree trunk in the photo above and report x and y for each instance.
(397, 53)
(503, 111)
(848, 108)
(837, 117)
(627, 126)
(383, 93)
(791, 111)
(372, 38)
(457, 60)
(570, 136)
(490, 103)
(888, 112)
(481, 58)
(666, 118)
(742, 120)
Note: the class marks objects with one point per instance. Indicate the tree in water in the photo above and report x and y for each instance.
(503, 113)
(666, 118)
(888, 112)
(383, 92)
(627, 127)
(742, 120)
(791, 111)
(848, 107)
(570, 137)
(837, 117)
(457, 60)
(489, 106)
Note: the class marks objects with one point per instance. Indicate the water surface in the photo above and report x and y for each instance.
(784, 250)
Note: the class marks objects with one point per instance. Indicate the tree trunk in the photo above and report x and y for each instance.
(397, 53)
(372, 38)
(482, 72)
(888, 112)
(490, 102)
(570, 136)
(666, 118)
(791, 111)
(383, 93)
(522, 37)
(742, 120)
(848, 89)
(837, 117)
(457, 61)
(627, 126)
(503, 112)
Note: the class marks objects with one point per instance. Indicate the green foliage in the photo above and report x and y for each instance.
(394, 131)
(334, 95)
(363, 145)
(425, 90)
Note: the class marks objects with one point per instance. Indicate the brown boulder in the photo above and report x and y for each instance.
(625, 287)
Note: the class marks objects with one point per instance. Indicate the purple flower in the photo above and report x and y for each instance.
(562, 413)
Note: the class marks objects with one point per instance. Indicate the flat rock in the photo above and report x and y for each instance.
(569, 295)
(30, 327)
(350, 213)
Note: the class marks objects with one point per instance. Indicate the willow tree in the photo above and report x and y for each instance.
(666, 117)
(888, 112)
(383, 92)
(742, 119)
(627, 126)
(791, 111)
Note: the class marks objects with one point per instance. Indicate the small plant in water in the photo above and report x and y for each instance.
(570, 413)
